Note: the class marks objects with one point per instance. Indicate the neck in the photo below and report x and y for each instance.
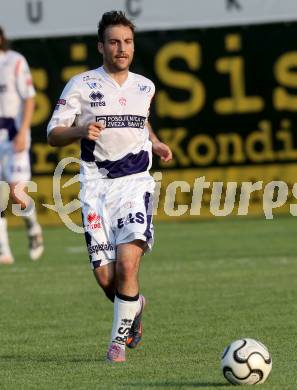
(120, 76)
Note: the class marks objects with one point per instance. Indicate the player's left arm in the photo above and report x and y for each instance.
(159, 148)
(26, 91)
(21, 139)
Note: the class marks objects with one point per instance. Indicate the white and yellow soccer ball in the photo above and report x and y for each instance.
(246, 361)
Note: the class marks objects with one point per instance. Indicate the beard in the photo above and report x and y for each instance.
(116, 65)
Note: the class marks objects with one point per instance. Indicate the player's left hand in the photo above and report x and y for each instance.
(19, 142)
(163, 151)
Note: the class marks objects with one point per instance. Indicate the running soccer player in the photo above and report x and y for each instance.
(107, 110)
(16, 110)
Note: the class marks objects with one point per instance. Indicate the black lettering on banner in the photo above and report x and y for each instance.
(130, 8)
(227, 106)
(233, 4)
(34, 12)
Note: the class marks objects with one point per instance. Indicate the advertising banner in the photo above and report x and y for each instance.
(226, 103)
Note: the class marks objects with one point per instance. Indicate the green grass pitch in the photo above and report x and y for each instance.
(207, 284)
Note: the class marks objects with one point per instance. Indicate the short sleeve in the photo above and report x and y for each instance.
(67, 107)
(24, 82)
(151, 95)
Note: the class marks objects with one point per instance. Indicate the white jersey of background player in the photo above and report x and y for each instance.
(106, 110)
(16, 110)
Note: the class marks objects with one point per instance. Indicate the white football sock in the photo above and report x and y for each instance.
(139, 306)
(4, 243)
(33, 226)
(124, 314)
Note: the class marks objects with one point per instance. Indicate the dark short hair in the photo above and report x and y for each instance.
(113, 18)
(3, 43)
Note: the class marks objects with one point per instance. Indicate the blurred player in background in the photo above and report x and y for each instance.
(16, 111)
(109, 108)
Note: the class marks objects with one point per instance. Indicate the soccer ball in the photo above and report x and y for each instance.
(246, 361)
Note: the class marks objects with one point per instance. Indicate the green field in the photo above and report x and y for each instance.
(207, 283)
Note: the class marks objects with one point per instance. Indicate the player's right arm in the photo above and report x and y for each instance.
(62, 136)
(60, 130)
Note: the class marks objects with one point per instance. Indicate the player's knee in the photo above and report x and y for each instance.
(104, 279)
(126, 269)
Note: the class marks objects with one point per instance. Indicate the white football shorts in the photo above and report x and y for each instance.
(116, 211)
(14, 167)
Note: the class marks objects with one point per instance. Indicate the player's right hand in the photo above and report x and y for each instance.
(93, 131)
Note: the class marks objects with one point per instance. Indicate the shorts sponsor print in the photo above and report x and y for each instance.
(137, 217)
(106, 246)
(94, 221)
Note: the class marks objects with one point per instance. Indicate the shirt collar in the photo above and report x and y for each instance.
(112, 80)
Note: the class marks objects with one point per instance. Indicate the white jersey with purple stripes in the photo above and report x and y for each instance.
(123, 147)
(15, 86)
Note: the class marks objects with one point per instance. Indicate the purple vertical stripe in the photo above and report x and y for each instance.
(87, 150)
(149, 211)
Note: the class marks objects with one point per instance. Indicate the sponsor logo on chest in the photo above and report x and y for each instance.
(96, 99)
(116, 121)
(144, 88)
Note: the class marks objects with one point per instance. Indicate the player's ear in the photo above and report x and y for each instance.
(100, 47)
